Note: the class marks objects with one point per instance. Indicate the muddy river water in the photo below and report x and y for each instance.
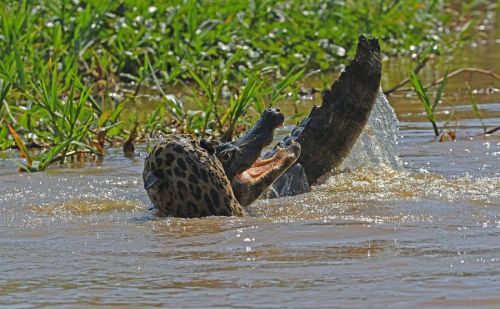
(412, 222)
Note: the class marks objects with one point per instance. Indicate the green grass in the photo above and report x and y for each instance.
(429, 107)
(62, 62)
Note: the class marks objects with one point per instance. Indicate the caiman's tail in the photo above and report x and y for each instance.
(330, 131)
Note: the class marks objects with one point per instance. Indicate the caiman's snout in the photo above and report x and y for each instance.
(241, 154)
(273, 117)
(249, 175)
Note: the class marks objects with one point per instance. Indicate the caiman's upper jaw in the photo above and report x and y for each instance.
(251, 183)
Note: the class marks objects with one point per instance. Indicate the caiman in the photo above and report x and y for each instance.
(330, 131)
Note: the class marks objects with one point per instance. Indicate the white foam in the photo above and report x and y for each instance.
(379, 139)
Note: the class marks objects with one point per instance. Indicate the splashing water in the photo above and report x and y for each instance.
(378, 141)
(424, 235)
(373, 174)
(376, 145)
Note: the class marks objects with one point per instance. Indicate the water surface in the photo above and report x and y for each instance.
(418, 230)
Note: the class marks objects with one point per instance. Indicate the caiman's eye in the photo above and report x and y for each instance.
(226, 156)
(209, 146)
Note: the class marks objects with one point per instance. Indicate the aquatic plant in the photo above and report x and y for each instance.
(66, 66)
(426, 100)
(254, 93)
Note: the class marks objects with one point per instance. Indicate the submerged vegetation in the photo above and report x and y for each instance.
(70, 69)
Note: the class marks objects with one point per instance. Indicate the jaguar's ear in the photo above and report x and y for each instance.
(209, 145)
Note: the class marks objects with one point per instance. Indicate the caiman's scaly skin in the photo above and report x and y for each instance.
(185, 177)
(330, 131)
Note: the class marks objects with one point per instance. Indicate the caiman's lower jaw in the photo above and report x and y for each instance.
(269, 168)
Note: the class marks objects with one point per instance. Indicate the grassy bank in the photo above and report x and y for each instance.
(65, 65)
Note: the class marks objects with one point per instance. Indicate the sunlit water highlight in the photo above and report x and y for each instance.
(392, 232)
